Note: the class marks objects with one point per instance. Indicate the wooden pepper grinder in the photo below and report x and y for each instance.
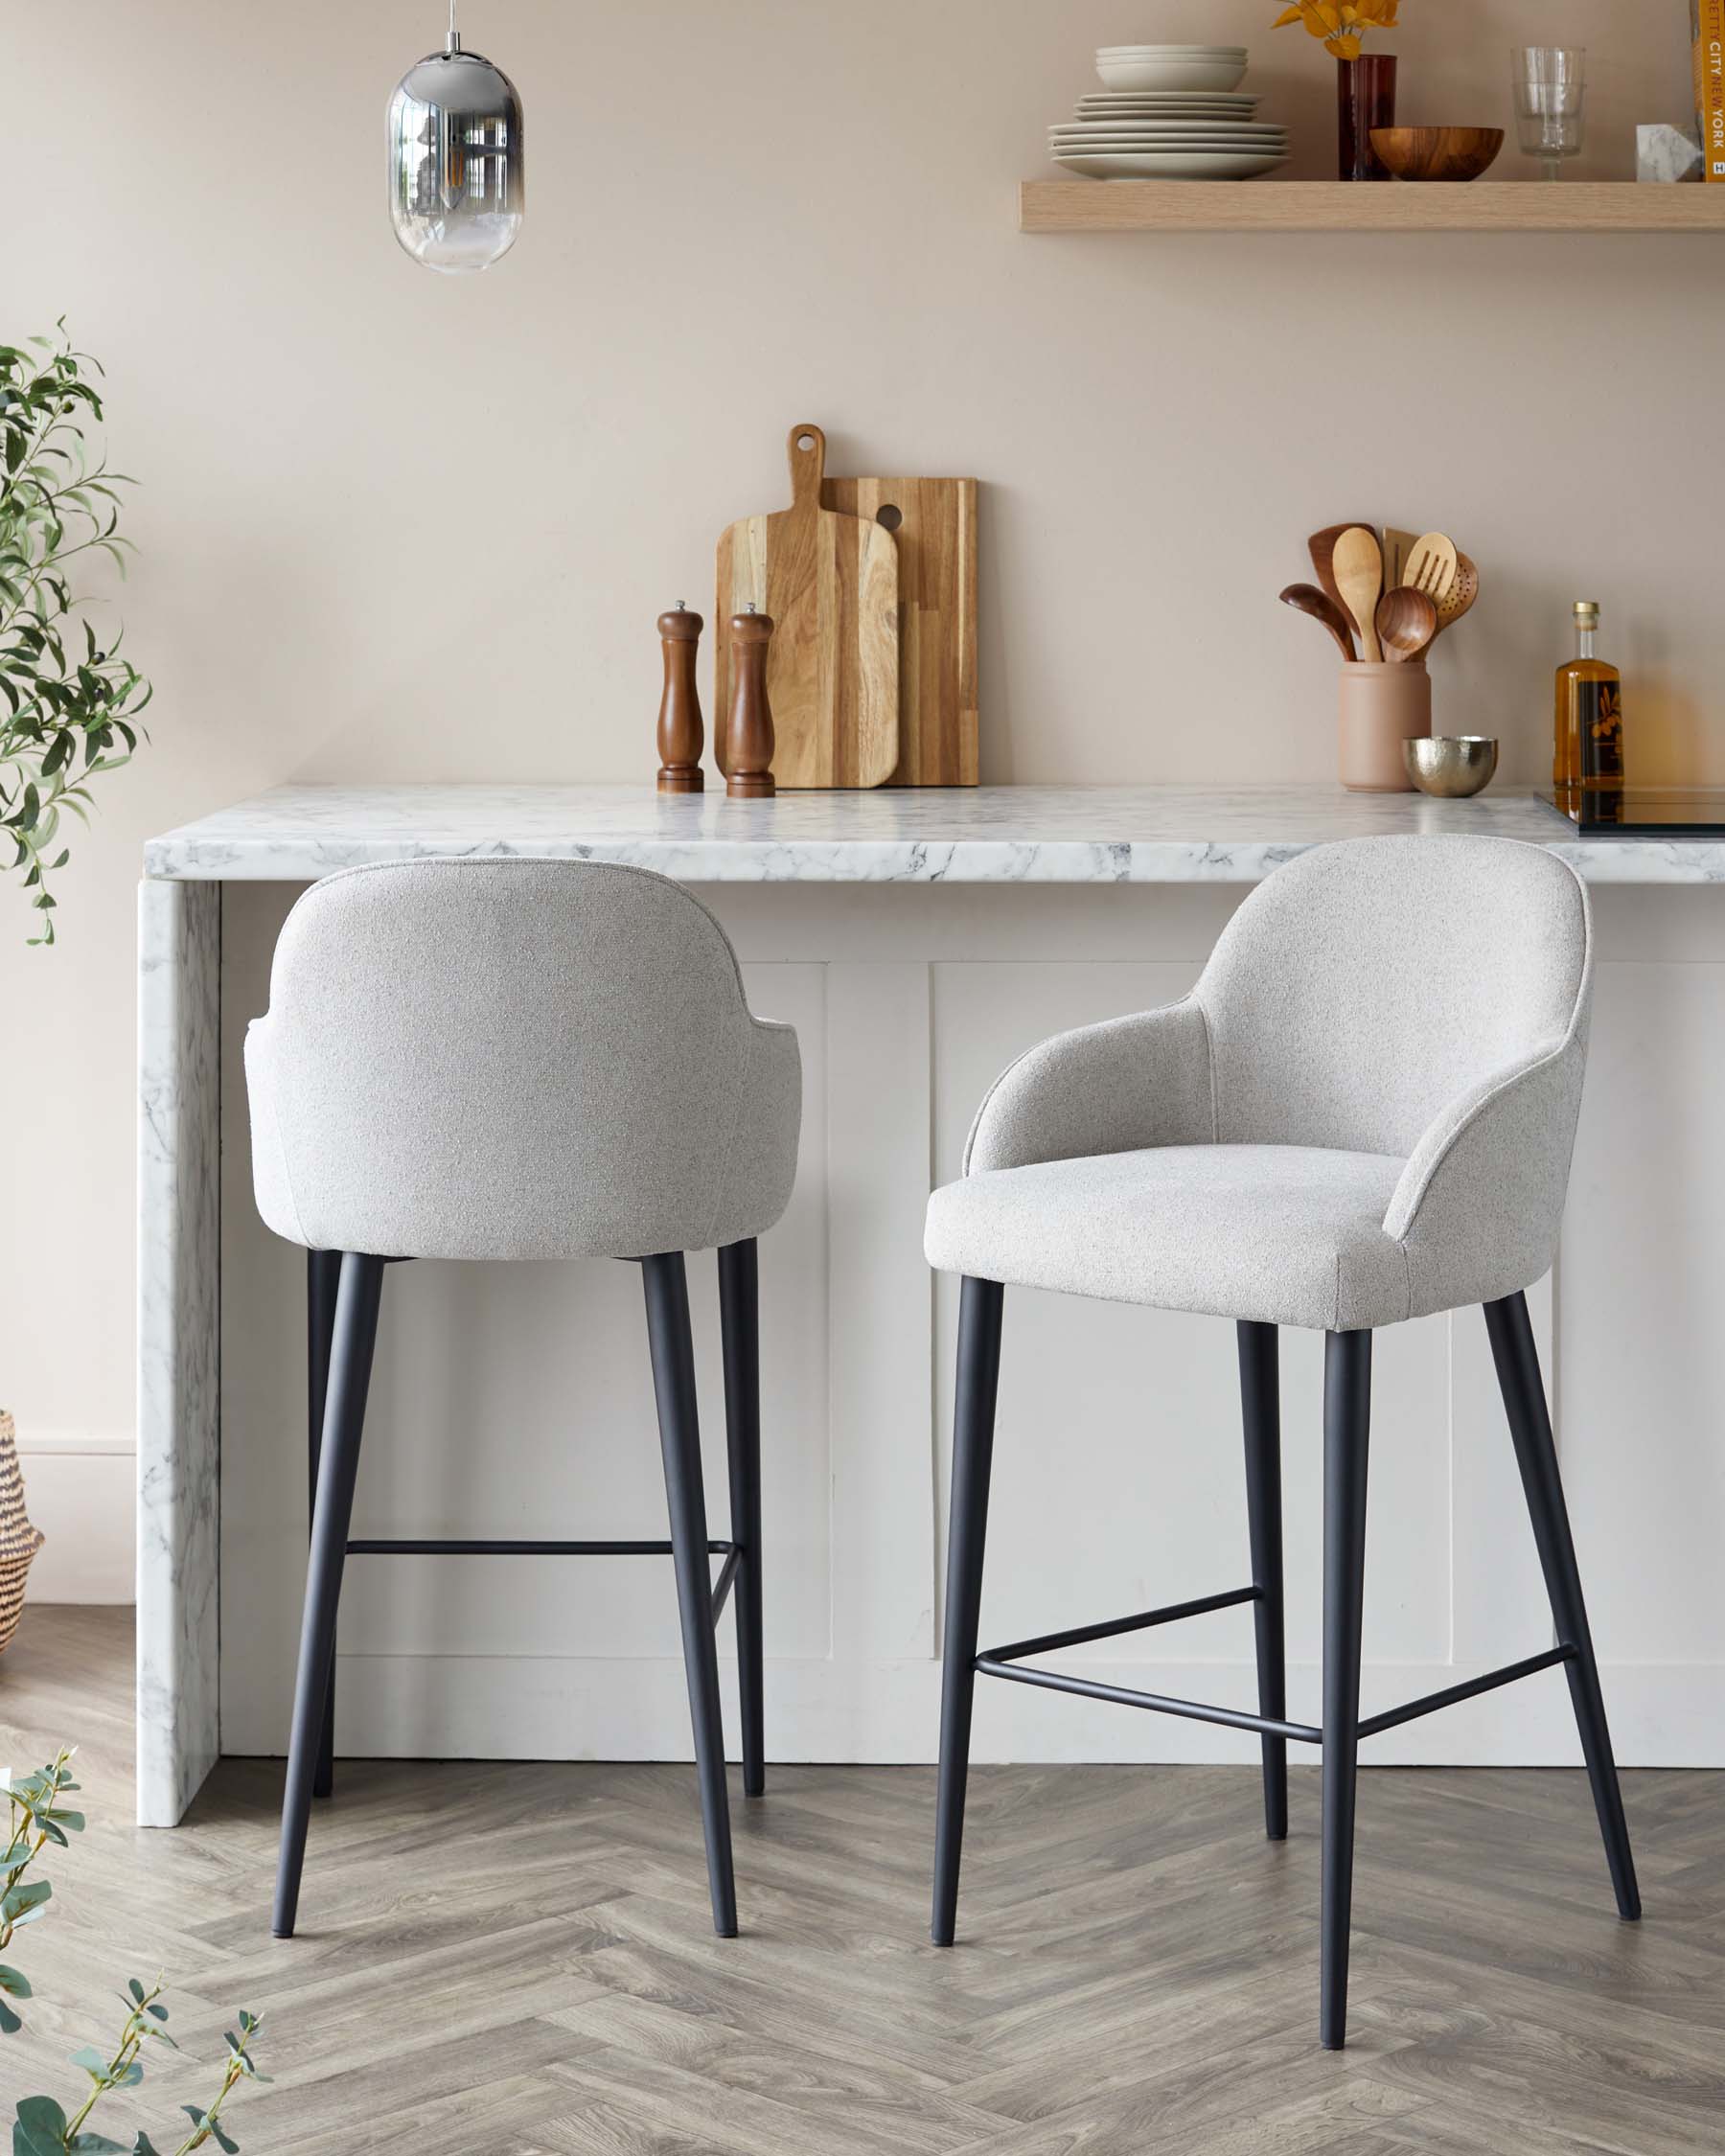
(681, 733)
(749, 741)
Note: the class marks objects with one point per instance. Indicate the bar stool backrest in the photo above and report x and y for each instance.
(515, 1059)
(1369, 984)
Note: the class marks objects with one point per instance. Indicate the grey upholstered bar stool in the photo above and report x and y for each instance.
(1363, 1113)
(517, 1059)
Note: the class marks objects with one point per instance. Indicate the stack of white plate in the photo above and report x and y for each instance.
(1169, 113)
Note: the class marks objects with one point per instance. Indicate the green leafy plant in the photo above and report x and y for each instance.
(71, 700)
(37, 1819)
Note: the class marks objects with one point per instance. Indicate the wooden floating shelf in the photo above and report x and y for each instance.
(1089, 205)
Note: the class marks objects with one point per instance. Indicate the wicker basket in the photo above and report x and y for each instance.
(19, 1541)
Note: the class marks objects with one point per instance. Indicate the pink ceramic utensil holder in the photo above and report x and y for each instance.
(1382, 706)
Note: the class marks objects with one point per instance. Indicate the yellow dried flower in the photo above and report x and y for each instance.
(1340, 24)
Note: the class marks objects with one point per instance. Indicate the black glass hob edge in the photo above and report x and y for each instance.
(1649, 811)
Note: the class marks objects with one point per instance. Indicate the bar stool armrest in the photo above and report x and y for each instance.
(1480, 1203)
(1119, 1087)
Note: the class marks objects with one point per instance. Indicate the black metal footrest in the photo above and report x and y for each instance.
(419, 1547)
(1189, 1710)
(722, 1586)
(1393, 1717)
(1004, 1662)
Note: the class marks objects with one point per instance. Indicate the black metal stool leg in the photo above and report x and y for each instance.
(356, 1336)
(1517, 1360)
(740, 1323)
(973, 1455)
(323, 1279)
(1260, 1404)
(679, 1436)
(1347, 1430)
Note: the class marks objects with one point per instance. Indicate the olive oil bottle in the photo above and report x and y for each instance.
(1589, 745)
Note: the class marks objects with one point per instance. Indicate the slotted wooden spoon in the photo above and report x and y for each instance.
(1432, 566)
(1462, 595)
(1358, 570)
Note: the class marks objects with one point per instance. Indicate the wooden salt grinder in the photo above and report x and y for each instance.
(680, 734)
(750, 742)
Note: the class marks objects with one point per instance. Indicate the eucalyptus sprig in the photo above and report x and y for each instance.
(35, 1816)
(72, 700)
(37, 1819)
(43, 2128)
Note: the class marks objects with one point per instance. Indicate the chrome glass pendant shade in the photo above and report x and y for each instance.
(457, 172)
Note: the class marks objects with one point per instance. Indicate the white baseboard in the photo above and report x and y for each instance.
(558, 1708)
(81, 1492)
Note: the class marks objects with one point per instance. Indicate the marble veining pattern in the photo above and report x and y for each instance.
(989, 835)
(179, 1426)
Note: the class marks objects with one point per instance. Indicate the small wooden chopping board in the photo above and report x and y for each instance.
(831, 584)
(934, 521)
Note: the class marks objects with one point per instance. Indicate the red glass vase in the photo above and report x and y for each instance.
(1365, 98)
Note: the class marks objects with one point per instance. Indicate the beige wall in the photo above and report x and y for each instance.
(398, 526)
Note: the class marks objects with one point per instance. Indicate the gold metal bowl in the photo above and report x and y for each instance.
(1451, 767)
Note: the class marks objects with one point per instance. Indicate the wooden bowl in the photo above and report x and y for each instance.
(1437, 153)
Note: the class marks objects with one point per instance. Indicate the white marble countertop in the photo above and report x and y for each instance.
(985, 835)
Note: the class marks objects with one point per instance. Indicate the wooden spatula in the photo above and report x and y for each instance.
(1359, 571)
(1399, 552)
(830, 582)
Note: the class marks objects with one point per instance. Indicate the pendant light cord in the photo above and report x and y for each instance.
(454, 44)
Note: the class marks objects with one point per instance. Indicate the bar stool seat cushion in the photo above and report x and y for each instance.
(483, 1058)
(1363, 1112)
(1281, 1234)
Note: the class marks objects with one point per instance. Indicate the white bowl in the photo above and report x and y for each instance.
(1172, 75)
(1170, 51)
(1194, 55)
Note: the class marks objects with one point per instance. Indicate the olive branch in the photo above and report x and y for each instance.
(71, 700)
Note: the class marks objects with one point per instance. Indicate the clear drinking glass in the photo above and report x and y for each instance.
(1550, 92)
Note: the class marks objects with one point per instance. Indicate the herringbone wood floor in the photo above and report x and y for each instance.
(517, 1959)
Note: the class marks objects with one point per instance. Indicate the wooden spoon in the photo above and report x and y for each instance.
(1358, 570)
(1462, 595)
(1432, 566)
(1321, 547)
(1307, 599)
(1407, 621)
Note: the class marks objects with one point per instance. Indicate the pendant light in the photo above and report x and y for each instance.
(456, 173)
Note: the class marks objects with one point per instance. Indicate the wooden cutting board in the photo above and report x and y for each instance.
(831, 584)
(934, 521)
